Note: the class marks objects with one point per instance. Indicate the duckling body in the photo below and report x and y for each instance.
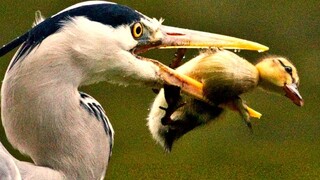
(225, 76)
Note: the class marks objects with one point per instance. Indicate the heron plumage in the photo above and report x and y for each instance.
(94, 108)
(65, 132)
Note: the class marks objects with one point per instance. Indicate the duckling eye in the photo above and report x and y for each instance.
(288, 69)
(137, 30)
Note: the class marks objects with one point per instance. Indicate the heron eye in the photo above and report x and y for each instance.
(137, 30)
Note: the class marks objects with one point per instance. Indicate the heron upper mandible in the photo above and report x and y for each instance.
(66, 132)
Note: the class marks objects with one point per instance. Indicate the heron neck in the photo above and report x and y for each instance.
(42, 117)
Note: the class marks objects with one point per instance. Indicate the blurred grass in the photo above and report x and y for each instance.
(285, 143)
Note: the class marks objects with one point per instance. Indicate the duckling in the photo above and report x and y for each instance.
(225, 76)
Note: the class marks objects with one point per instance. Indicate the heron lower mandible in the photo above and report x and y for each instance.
(66, 132)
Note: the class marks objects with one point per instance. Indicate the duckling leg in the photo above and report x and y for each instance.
(245, 111)
(178, 57)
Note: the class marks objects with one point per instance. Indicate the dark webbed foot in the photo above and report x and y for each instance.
(174, 101)
(172, 93)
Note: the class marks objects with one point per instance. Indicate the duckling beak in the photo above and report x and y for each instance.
(292, 93)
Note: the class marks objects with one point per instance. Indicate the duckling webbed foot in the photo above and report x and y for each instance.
(174, 101)
(172, 93)
(244, 110)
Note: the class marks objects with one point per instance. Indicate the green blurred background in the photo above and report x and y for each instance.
(285, 143)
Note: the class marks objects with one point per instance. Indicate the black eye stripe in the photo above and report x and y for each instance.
(281, 63)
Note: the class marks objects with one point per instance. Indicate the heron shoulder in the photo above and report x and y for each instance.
(94, 108)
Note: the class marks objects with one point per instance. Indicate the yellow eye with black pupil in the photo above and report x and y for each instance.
(137, 30)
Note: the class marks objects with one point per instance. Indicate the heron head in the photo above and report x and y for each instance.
(103, 41)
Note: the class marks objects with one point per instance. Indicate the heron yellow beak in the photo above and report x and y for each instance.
(168, 37)
(171, 77)
(174, 38)
(184, 38)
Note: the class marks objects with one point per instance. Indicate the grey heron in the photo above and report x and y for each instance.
(225, 76)
(66, 132)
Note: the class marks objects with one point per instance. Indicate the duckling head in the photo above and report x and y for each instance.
(279, 75)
